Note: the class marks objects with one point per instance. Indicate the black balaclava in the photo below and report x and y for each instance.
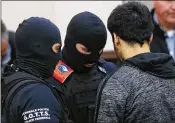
(87, 29)
(34, 39)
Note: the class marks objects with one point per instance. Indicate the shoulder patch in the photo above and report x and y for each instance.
(36, 115)
(62, 72)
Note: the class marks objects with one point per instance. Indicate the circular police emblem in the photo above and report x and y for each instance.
(62, 68)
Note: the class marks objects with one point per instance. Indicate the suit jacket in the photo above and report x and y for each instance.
(158, 44)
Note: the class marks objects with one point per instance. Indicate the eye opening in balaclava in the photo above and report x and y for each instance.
(89, 30)
(56, 47)
(34, 40)
(86, 51)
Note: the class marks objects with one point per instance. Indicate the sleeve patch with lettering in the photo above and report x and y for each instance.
(36, 114)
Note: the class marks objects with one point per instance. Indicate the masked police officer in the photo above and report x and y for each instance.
(81, 70)
(29, 97)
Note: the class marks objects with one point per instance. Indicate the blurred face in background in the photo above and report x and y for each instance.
(4, 44)
(165, 12)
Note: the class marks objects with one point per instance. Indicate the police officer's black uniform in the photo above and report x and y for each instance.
(79, 82)
(35, 103)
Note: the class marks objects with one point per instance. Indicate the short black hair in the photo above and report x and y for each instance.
(3, 28)
(132, 22)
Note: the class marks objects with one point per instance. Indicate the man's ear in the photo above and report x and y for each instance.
(116, 39)
(150, 38)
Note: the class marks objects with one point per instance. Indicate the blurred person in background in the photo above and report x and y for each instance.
(11, 35)
(8, 50)
(5, 47)
(163, 16)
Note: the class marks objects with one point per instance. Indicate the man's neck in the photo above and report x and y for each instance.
(131, 52)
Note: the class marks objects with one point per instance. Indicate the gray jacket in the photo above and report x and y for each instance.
(141, 91)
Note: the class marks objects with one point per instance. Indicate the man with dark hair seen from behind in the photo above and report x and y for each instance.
(163, 16)
(142, 90)
(38, 44)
